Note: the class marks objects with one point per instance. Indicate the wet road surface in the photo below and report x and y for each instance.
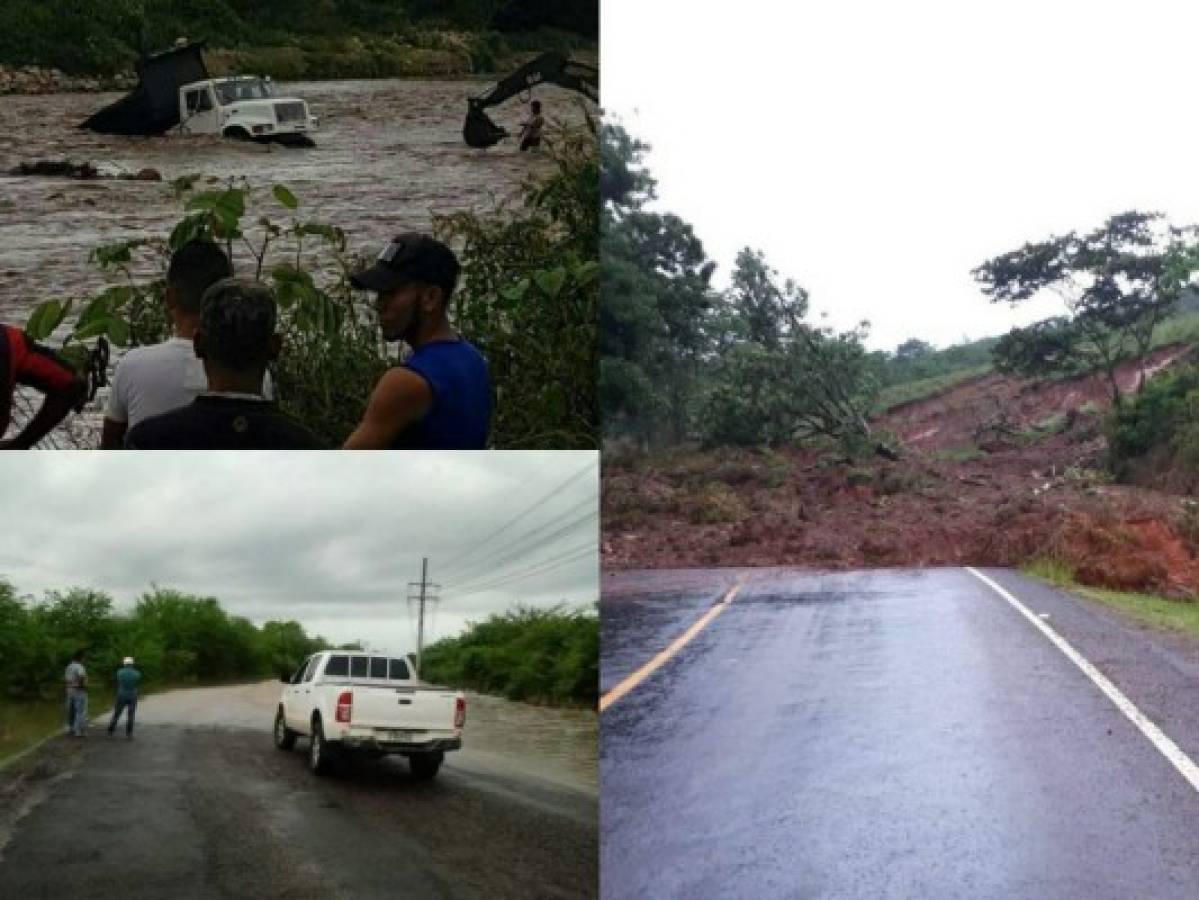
(892, 734)
(191, 809)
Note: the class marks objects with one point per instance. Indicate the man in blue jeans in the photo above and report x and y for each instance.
(128, 678)
(76, 681)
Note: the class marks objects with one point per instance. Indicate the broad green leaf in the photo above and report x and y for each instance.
(550, 281)
(285, 197)
(92, 329)
(45, 318)
(118, 331)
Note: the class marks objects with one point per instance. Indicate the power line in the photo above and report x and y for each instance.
(588, 469)
(483, 584)
(524, 543)
(579, 554)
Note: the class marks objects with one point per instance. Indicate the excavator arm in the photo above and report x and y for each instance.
(549, 68)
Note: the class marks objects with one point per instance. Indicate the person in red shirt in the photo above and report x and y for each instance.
(24, 362)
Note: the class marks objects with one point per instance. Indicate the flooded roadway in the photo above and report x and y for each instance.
(201, 805)
(389, 154)
(890, 734)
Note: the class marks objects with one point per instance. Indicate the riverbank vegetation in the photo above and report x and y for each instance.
(533, 655)
(296, 38)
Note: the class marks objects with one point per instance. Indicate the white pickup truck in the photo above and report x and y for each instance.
(244, 107)
(345, 701)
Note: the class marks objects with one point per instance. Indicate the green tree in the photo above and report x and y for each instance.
(1118, 283)
(783, 379)
(656, 316)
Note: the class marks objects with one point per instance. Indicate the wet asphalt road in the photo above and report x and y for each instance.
(890, 734)
(206, 812)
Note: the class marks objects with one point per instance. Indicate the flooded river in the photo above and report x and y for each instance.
(389, 154)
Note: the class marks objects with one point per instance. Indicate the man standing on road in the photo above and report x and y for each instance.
(24, 362)
(236, 340)
(150, 381)
(128, 678)
(440, 398)
(76, 681)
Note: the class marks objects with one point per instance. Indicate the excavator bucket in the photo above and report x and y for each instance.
(153, 106)
(479, 131)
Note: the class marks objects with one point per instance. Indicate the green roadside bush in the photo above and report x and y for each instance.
(1162, 419)
(539, 655)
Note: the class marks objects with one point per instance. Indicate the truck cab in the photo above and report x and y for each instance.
(244, 107)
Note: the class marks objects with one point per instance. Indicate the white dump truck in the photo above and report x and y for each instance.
(175, 91)
(244, 107)
(347, 702)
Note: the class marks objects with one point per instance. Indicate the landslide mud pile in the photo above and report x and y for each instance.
(995, 472)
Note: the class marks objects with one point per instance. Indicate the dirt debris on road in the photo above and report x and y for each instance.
(968, 489)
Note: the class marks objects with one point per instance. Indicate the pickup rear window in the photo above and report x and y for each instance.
(380, 667)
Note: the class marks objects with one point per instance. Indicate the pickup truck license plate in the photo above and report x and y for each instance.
(393, 734)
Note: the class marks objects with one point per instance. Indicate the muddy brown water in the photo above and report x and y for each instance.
(389, 154)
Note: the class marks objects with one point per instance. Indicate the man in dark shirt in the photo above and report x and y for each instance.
(24, 362)
(440, 398)
(530, 131)
(235, 339)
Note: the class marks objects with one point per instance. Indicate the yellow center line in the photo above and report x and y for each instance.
(675, 646)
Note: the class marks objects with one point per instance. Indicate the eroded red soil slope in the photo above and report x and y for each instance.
(995, 472)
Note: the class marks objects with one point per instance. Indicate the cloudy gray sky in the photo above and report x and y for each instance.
(328, 539)
(877, 152)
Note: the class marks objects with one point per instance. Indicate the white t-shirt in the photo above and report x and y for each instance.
(152, 380)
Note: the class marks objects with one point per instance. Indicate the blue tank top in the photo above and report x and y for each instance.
(460, 417)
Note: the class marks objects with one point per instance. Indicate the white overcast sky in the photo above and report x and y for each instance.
(328, 539)
(877, 152)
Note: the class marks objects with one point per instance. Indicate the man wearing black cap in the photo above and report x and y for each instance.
(440, 398)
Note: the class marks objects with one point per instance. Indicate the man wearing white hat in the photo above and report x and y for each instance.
(128, 678)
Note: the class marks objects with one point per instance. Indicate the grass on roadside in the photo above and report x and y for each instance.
(24, 724)
(1148, 609)
(907, 391)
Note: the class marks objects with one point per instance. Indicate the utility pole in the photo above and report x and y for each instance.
(424, 594)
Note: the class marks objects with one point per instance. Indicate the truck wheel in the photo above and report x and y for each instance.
(238, 134)
(320, 754)
(424, 766)
(285, 738)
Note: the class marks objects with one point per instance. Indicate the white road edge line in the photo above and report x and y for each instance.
(1183, 763)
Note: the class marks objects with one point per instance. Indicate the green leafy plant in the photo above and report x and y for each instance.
(529, 299)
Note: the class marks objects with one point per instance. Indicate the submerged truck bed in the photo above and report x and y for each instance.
(153, 106)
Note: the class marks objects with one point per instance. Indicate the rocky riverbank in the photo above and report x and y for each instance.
(43, 80)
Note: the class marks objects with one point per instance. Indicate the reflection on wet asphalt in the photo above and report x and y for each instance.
(884, 734)
(201, 805)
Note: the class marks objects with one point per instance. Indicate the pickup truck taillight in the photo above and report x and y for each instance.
(345, 706)
(460, 712)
